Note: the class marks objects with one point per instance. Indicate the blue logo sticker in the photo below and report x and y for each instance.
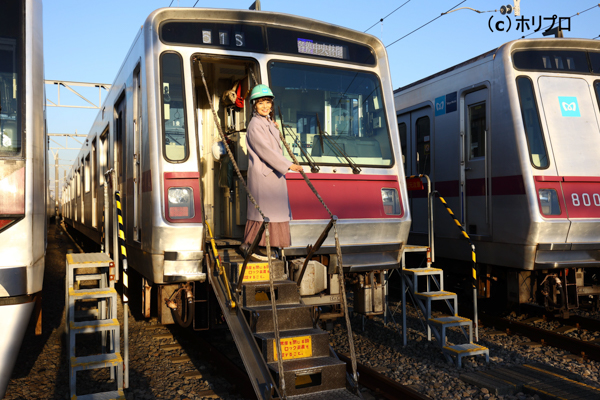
(569, 106)
(440, 105)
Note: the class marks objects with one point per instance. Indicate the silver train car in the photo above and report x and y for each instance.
(157, 131)
(511, 139)
(22, 174)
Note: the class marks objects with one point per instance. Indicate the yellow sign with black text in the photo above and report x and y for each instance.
(294, 347)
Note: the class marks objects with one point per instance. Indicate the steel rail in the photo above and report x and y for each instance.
(381, 384)
(585, 349)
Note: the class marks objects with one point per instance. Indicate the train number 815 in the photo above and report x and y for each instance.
(585, 199)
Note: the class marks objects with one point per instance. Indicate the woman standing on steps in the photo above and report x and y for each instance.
(266, 174)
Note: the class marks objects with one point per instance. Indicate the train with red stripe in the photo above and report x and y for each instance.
(511, 140)
(156, 131)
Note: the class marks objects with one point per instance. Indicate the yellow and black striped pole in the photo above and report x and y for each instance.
(122, 247)
(473, 258)
(125, 285)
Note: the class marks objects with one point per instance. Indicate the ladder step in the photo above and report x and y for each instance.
(89, 277)
(86, 313)
(88, 260)
(96, 361)
(422, 271)
(98, 293)
(114, 395)
(450, 321)
(437, 295)
(466, 349)
(94, 326)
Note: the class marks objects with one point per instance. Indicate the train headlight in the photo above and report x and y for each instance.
(391, 201)
(549, 201)
(181, 202)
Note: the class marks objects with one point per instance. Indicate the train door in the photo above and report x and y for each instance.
(417, 151)
(476, 183)
(228, 81)
(137, 154)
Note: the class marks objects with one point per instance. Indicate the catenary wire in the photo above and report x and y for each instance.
(381, 20)
(574, 15)
(422, 26)
(171, 3)
(195, 3)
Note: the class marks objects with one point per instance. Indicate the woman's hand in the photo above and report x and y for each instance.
(296, 168)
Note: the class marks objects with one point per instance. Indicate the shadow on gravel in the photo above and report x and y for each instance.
(53, 302)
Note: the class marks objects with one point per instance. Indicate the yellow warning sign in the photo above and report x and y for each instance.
(256, 272)
(294, 347)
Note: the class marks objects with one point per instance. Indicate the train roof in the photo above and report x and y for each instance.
(519, 43)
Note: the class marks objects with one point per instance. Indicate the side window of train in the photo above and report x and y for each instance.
(531, 122)
(477, 124)
(423, 141)
(402, 131)
(597, 88)
(175, 142)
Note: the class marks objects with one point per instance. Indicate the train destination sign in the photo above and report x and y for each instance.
(263, 39)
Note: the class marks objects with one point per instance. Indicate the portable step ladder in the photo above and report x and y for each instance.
(310, 368)
(101, 319)
(426, 284)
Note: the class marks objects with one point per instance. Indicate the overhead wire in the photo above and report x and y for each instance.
(572, 16)
(171, 3)
(381, 20)
(195, 3)
(424, 25)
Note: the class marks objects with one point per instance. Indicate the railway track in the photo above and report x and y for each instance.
(584, 349)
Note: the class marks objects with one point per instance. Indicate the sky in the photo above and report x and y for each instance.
(86, 41)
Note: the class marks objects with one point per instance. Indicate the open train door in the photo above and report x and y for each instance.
(476, 172)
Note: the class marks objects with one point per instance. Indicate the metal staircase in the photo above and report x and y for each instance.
(310, 369)
(426, 285)
(99, 315)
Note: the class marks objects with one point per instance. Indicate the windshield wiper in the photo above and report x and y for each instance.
(314, 168)
(332, 143)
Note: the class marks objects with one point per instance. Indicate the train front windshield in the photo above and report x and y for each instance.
(331, 114)
(11, 66)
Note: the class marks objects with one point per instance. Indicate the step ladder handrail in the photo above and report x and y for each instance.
(333, 223)
(465, 235)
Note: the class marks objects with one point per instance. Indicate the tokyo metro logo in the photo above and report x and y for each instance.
(569, 106)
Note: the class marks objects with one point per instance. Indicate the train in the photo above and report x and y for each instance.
(156, 131)
(23, 175)
(510, 140)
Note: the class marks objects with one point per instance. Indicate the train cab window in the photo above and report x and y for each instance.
(175, 144)
(532, 125)
(423, 126)
(595, 62)
(12, 115)
(597, 89)
(402, 132)
(347, 106)
(103, 156)
(476, 132)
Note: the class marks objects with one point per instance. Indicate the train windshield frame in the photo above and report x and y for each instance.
(12, 64)
(346, 105)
